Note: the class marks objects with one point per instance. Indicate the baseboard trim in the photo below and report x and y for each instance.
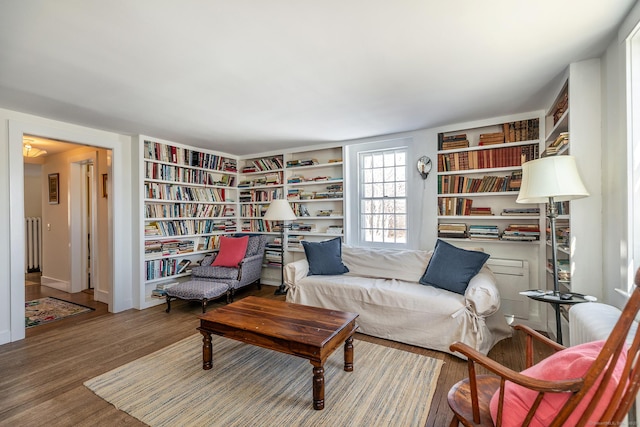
(55, 283)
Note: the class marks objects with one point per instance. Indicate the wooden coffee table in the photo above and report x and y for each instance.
(309, 332)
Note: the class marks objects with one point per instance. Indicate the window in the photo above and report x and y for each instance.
(382, 196)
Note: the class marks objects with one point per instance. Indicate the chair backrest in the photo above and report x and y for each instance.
(604, 366)
(256, 245)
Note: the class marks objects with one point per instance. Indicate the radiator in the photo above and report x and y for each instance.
(512, 277)
(33, 244)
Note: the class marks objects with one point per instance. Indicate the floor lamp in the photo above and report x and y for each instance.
(280, 210)
(550, 180)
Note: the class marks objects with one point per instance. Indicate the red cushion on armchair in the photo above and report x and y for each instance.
(232, 251)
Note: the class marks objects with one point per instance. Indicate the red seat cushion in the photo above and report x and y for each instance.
(232, 250)
(570, 363)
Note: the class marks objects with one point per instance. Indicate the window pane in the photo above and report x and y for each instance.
(383, 203)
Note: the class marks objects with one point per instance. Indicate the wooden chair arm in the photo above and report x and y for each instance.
(539, 337)
(535, 335)
(473, 356)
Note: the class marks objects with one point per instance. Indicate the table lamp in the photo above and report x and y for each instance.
(550, 180)
(280, 210)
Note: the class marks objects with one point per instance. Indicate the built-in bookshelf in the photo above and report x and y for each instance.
(188, 199)
(479, 176)
(260, 181)
(573, 128)
(315, 190)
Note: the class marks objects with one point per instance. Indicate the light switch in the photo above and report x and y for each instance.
(48, 227)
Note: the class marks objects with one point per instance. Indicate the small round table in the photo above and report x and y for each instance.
(556, 302)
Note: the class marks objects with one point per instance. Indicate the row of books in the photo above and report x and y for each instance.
(448, 184)
(303, 162)
(192, 210)
(562, 267)
(188, 157)
(522, 130)
(273, 253)
(333, 191)
(187, 227)
(253, 210)
(516, 131)
(491, 158)
(258, 226)
(272, 178)
(561, 106)
(165, 267)
(513, 232)
(260, 195)
(155, 190)
(460, 206)
(263, 164)
(156, 248)
(164, 172)
(297, 179)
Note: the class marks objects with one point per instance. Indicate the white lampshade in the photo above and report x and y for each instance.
(279, 210)
(554, 176)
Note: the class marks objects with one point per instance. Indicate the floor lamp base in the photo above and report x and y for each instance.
(282, 290)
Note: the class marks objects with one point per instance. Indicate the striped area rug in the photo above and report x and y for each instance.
(252, 386)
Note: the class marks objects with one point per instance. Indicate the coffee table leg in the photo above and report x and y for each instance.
(348, 354)
(207, 360)
(318, 386)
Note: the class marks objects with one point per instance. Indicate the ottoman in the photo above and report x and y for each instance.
(198, 290)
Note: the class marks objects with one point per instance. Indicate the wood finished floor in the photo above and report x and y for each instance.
(41, 377)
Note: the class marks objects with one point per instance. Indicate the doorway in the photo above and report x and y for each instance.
(117, 266)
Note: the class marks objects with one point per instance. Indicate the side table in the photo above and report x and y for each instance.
(555, 300)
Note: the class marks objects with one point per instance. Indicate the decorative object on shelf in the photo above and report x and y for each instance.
(54, 188)
(424, 166)
(280, 210)
(550, 180)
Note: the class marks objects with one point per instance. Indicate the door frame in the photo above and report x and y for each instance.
(120, 210)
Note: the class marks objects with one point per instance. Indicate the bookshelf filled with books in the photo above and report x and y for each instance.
(479, 175)
(314, 188)
(188, 199)
(573, 128)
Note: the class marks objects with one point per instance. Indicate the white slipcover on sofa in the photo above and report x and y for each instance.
(382, 287)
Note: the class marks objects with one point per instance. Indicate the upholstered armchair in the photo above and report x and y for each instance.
(247, 272)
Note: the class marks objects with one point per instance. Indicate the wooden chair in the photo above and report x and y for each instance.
(469, 399)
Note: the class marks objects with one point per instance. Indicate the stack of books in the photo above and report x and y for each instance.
(561, 141)
(480, 211)
(484, 232)
(452, 142)
(161, 289)
(521, 211)
(491, 138)
(452, 231)
(522, 232)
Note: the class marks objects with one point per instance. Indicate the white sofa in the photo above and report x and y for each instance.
(382, 287)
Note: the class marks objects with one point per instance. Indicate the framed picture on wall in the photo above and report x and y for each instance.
(54, 188)
(104, 184)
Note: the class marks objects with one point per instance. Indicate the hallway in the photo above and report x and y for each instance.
(33, 290)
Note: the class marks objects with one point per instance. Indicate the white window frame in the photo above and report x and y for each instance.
(388, 185)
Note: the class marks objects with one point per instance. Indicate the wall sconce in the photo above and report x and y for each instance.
(424, 166)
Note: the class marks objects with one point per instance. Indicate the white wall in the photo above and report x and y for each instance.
(32, 190)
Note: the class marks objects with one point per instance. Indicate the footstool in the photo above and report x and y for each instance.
(198, 290)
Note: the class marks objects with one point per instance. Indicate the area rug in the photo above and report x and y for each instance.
(252, 386)
(49, 309)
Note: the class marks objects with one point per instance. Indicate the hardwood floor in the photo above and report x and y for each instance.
(41, 377)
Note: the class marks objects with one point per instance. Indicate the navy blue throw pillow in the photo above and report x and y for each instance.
(325, 258)
(452, 268)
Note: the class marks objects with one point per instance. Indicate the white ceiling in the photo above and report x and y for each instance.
(248, 76)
